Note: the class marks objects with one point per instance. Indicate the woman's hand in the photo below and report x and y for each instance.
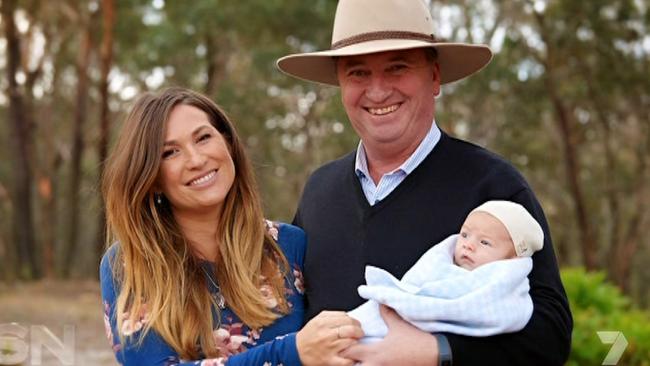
(321, 340)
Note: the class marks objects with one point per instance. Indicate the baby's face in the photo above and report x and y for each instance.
(482, 239)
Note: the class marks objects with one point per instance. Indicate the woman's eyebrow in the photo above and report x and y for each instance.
(194, 133)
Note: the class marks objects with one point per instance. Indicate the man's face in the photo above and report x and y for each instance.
(482, 239)
(389, 97)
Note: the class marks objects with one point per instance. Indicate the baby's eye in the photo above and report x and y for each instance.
(485, 242)
(463, 235)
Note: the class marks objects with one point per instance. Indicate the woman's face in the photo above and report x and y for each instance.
(197, 170)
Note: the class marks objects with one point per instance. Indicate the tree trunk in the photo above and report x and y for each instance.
(211, 68)
(216, 59)
(45, 176)
(4, 258)
(47, 230)
(572, 169)
(629, 244)
(19, 141)
(83, 60)
(106, 55)
(623, 242)
(7, 273)
(618, 257)
(572, 166)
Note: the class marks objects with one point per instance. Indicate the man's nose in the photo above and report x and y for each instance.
(378, 90)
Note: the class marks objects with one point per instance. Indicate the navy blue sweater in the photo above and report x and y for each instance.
(345, 233)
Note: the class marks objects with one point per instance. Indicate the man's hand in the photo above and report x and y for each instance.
(403, 345)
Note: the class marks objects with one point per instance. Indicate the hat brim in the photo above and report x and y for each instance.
(456, 60)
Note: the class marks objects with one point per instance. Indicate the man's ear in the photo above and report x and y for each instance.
(436, 79)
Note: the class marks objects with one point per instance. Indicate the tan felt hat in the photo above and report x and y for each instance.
(524, 230)
(371, 26)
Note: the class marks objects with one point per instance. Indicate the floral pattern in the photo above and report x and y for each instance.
(133, 324)
(221, 361)
(296, 272)
(107, 328)
(233, 338)
(299, 281)
(269, 297)
(273, 229)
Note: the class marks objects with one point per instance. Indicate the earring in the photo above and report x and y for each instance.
(158, 198)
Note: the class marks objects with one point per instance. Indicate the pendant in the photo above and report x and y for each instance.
(219, 300)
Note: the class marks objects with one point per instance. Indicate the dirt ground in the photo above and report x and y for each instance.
(55, 305)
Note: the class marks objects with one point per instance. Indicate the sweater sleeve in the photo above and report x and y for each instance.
(546, 339)
(280, 351)
(153, 350)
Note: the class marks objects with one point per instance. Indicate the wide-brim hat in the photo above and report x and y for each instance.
(372, 26)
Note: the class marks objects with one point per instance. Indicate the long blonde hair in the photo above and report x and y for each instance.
(156, 269)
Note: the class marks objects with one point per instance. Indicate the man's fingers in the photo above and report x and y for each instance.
(357, 351)
(389, 315)
(341, 361)
(343, 344)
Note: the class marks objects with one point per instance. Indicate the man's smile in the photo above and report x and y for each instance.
(383, 110)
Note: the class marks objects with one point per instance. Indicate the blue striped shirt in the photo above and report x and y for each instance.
(390, 181)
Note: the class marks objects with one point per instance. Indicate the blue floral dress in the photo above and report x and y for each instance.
(238, 344)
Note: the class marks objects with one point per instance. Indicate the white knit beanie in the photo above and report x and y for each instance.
(524, 230)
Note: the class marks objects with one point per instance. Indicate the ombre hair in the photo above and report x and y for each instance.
(157, 271)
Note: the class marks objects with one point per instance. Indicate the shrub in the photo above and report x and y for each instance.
(598, 305)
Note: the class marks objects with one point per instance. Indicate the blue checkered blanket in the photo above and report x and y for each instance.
(438, 296)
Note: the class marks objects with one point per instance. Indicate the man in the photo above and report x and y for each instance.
(409, 185)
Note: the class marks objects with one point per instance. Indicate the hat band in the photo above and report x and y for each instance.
(374, 36)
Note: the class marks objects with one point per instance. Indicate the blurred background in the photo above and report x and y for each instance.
(566, 99)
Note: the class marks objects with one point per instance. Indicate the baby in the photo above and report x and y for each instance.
(473, 283)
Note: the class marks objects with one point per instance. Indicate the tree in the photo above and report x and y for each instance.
(106, 56)
(80, 117)
(20, 143)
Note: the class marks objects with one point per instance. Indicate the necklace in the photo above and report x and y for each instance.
(218, 297)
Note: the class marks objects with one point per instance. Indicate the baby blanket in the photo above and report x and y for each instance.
(438, 296)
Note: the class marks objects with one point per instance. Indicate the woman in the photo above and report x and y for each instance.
(197, 276)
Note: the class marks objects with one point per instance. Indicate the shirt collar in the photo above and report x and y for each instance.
(426, 145)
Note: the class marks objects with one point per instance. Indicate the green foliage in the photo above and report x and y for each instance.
(599, 306)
